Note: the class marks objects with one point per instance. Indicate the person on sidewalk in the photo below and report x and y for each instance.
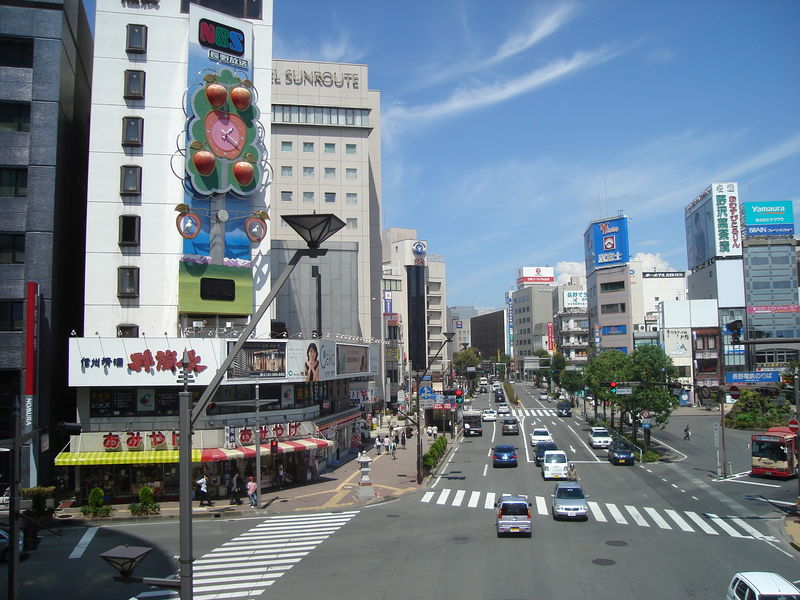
(236, 489)
(386, 441)
(393, 449)
(279, 476)
(378, 446)
(202, 488)
(429, 431)
(251, 492)
(403, 439)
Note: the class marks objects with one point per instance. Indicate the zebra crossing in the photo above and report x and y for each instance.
(533, 412)
(607, 512)
(247, 565)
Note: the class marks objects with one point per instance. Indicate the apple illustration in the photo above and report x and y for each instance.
(204, 161)
(243, 171)
(240, 96)
(216, 94)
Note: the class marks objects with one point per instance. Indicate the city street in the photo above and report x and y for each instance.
(656, 530)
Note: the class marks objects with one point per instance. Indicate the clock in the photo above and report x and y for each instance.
(226, 134)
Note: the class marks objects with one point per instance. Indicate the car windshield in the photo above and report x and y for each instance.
(574, 493)
(622, 448)
(514, 508)
(509, 421)
(555, 458)
(779, 597)
(599, 432)
(544, 447)
(541, 432)
(499, 449)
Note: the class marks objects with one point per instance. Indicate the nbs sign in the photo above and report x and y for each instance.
(606, 243)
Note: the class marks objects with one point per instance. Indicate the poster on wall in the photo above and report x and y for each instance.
(258, 360)
(351, 359)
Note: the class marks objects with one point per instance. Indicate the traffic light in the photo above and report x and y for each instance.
(612, 386)
(273, 446)
(459, 396)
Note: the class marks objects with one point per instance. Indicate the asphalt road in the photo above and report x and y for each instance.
(660, 531)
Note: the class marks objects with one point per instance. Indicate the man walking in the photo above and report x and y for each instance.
(236, 489)
(378, 445)
(393, 449)
(687, 434)
(202, 488)
(403, 439)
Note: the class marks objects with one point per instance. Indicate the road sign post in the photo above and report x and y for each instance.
(794, 425)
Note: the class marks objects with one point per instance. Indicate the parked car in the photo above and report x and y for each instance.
(514, 516)
(599, 437)
(489, 415)
(510, 426)
(761, 584)
(5, 548)
(554, 465)
(620, 453)
(569, 501)
(541, 448)
(504, 455)
(540, 434)
(564, 409)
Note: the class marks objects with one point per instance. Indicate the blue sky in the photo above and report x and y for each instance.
(508, 126)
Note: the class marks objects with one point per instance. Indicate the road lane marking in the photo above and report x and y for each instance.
(657, 518)
(616, 514)
(637, 516)
(592, 454)
(84, 542)
(672, 514)
(485, 467)
(443, 496)
(458, 498)
(597, 513)
(671, 448)
(473, 499)
(747, 482)
(748, 528)
(489, 502)
(541, 506)
(724, 526)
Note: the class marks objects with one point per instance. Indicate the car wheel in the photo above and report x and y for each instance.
(499, 534)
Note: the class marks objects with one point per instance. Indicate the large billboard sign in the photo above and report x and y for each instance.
(530, 275)
(575, 299)
(606, 243)
(768, 219)
(713, 224)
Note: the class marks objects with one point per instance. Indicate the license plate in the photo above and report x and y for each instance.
(515, 529)
(623, 460)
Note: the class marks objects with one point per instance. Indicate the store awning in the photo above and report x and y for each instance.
(198, 454)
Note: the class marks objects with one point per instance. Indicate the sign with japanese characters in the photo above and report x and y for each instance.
(713, 224)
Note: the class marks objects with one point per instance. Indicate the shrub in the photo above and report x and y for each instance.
(95, 508)
(650, 456)
(96, 497)
(38, 496)
(427, 461)
(146, 495)
(146, 505)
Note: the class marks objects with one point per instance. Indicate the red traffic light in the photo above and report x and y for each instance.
(459, 393)
(273, 446)
(612, 384)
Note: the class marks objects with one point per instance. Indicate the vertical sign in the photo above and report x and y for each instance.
(31, 351)
(550, 336)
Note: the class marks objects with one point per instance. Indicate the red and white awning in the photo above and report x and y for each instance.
(284, 447)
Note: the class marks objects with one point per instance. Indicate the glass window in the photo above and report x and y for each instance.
(136, 39)
(295, 114)
(782, 284)
(308, 196)
(608, 309)
(612, 286)
(13, 182)
(15, 116)
(242, 9)
(330, 148)
(130, 180)
(134, 85)
(760, 285)
(308, 146)
(286, 171)
(308, 171)
(352, 223)
(12, 248)
(132, 131)
(129, 227)
(128, 282)
(351, 198)
(11, 315)
(16, 52)
(351, 173)
(212, 288)
(330, 172)
(128, 331)
(286, 146)
(286, 196)
(350, 149)
(330, 196)
(318, 115)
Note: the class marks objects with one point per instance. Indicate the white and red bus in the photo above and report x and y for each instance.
(774, 453)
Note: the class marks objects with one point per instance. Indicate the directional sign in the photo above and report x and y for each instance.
(623, 391)
(794, 425)
(426, 392)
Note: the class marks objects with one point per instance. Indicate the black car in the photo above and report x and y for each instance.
(510, 426)
(564, 409)
(499, 396)
(541, 448)
(620, 453)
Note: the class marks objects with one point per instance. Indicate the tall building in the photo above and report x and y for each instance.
(45, 86)
(570, 330)
(531, 318)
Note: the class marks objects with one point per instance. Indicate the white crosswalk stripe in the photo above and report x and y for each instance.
(247, 565)
(643, 516)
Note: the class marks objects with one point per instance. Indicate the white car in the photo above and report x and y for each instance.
(761, 584)
(599, 437)
(544, 397)
(540, 434)
(489, 415)
(503, 409)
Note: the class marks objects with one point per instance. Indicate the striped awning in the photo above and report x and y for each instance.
(198, 454)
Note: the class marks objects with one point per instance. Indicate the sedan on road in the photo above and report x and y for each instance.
(510, 426)
(599, 437)
(620, 453)
(540, 434)
(514, 516)
(541, 448)
(489, 415)
(564, 409)
(569, 501)
(504, 455)
(503, 409)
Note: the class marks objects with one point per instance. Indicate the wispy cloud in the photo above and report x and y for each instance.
(335, 49)
(660, 56)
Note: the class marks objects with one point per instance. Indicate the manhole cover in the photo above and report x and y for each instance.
(460, 539)
(392, 516)
(64, 517)
(604, 562)
(616, 543)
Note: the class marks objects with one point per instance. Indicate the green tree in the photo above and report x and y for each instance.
(652, 368)
(557, 364)
(606, 366)
(572, 381)
(469, 357)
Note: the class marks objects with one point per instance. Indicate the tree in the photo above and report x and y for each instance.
(572, 381)
(611, 365)
(557, 364)
(469, 357)
(652, 369)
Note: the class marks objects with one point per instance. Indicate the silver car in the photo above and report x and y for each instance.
(514, 516)
(569, 501)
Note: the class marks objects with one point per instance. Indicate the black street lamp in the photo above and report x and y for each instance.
(126, 558)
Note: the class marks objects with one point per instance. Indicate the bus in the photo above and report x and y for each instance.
(471, 422)
(774, 453)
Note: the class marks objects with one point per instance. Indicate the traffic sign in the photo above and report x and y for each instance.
(645, 414)
(646, 425)
(426, 392)
(734, 392)
(624, 391)
(794, 425)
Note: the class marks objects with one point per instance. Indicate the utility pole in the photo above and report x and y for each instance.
(721, 395)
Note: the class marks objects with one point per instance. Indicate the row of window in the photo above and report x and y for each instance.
(350, 223)
(612, 309)
(612, 286)
(13, 182)
(12, 248)
(329, 147)
(320, 115)
(330, 197)
(16, 52)
(15, 116)
(309, 172)
(392, 285)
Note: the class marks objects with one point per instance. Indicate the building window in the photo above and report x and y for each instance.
(352, 223)
(612, 286)
(134, 85)
(351, 198)
(13, 182)
(11, 315)
(132, 131)
(241, 9)
(136, 39)
(129, 227)
(330, 196)
(286, 146)
(286, 196)
(392, 285)
(308, 171)
(130, 183)
(308, 146)
(330, 148)
(350, 149)
(330, 172)
(128, 282)
(16, 52)
(308, 196)
(15, 116)
(610, 309)
(351, 174)
(12, 248)
(128, 331)
(286, 171)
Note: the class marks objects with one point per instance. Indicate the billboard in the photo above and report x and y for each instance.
(713, 224)
(768, 219)
(614, 330)
(575, 299)
(606, 243)
(351, 359)
(529, 275)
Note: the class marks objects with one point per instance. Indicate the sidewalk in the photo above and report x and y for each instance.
(335, 489)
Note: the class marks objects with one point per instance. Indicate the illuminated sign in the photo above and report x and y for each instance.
(606, 243)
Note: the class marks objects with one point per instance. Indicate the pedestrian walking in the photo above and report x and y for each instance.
(236, 489)
(396, 437)
(202, 488)
(386, 441)
(378, 443)
(279, 476)
(429, 431)
(403, 439)
(687, 433)
(435, 431)
(393, 449)
(252, 486)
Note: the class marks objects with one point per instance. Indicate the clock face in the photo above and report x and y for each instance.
(226, 134)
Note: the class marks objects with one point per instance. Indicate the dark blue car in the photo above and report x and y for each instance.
(620, 453)
(504, 455)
